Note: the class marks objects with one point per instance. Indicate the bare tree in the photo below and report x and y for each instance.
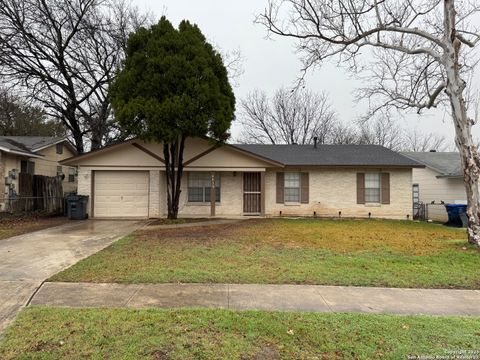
(64, 54)
(382, 130)
(418, 141)
(288, 118)
(422, 52)
(343, 134)
(234, 62)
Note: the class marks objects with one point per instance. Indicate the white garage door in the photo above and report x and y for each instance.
(121, 194)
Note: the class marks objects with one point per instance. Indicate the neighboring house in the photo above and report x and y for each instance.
(36, 155)
(128, 180)
(441, 181)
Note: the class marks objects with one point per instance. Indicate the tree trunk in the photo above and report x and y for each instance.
(173, 154)
(97, 137)
(463, 125)
(78, 139)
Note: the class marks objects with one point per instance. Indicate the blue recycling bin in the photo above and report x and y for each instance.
(454, 211)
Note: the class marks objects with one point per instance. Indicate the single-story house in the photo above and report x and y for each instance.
(128, 180)
(440, 182)
(36, 155)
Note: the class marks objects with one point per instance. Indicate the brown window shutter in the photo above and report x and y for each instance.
(305, 187)
(385, 183)
(360, 188)
(280, 187)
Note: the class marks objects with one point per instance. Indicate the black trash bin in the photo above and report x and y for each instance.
(77, 207)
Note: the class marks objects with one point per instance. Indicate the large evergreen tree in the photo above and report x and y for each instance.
(174, 85)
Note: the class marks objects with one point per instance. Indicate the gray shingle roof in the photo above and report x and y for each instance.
(11, 145)
(31, 143)
(330, 155)
(447, 164)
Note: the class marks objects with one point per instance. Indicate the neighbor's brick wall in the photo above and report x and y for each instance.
(2, 181)
(47, 166)
(438, 190)
(334, 190)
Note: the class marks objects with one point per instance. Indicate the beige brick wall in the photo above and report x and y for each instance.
(85, 185)
(334, 190)
(231, 196)
(331, 191)
(154, 198)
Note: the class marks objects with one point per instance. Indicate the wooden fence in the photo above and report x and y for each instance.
(38, 193)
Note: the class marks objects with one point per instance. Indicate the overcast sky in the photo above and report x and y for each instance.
(270, 64)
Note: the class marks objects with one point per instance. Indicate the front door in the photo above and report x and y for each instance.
(252, 193)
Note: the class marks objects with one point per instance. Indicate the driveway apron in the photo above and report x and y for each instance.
(28, 260)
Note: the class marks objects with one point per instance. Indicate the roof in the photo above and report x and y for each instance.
(29, 145)
(304, 155)
(448, 164)
(330, 155)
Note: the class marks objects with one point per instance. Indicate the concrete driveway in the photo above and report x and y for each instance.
(27, 260)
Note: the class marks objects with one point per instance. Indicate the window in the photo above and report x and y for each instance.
(60, 148)
(27, 167)
(199, 187)
(372, 188)
(292, 187)
(71, 174)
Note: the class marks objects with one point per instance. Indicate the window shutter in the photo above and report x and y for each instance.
(280, 187)
(360, 188)
(305, 187)
(385, 183)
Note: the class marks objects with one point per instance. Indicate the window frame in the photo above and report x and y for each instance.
(285, 188)
(28, 165)
(205, 190)
(379, 188)
(72, 172)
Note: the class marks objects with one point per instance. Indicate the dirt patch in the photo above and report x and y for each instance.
(201, 233)
(267, 352)
(178, 221)
(44, 346)
(13, 225)
(160, 355)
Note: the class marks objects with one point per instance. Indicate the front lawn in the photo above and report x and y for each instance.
(282, 251)
(54, 333)
(13, 225)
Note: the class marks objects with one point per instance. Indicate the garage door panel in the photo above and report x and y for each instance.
(121, 194)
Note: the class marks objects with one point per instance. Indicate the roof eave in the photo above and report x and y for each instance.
(419, 166)
(257, 156)
(70, 160)
(65, 140)
(10, 151)
(449, 176)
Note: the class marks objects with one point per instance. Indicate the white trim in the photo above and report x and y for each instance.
(21, 153)
(162, 168)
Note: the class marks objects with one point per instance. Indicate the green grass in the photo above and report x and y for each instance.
(350, 252)
(53, 333)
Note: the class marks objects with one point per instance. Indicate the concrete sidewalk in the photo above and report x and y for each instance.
(262, 297)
